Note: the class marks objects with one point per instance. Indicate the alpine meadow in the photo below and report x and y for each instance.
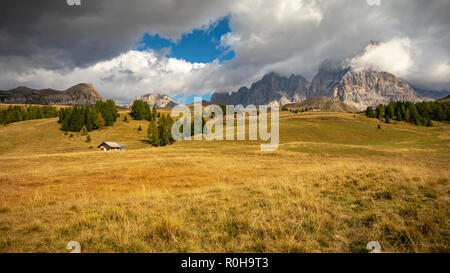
(225, 135)
(335, 183)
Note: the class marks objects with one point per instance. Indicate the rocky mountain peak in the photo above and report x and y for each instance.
(272, 89)
(334, 80)
(157, 100)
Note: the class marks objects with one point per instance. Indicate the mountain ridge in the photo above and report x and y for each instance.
(334, 81)
(79, 94)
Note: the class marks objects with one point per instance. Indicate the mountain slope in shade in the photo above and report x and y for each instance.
(272, 89)
(446, 99)
(434, 94)
(157, 100)
(323, 103)
(80, 94)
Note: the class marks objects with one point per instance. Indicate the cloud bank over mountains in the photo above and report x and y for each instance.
(51, 44)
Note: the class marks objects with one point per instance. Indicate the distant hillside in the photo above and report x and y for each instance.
(323, 103)
(80, 94)
(434, 94)
(446, 99)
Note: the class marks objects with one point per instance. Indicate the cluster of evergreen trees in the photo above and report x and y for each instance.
(141, 110)
(20, 113)
(421, 113)
(294, 111)
(88, 118)
(160, 132)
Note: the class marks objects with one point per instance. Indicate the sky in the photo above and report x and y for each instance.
(185, 48)
(200, 45)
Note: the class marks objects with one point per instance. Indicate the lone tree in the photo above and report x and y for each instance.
(88, 139)
(84, 131)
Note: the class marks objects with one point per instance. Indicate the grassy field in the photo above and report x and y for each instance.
(335, 183)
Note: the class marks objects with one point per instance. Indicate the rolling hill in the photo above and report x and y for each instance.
(446, 99)
(323, 103)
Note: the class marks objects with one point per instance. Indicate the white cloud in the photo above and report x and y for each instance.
(394, 56)
(127, 76)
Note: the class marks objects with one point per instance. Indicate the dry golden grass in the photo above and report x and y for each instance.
(6, 105)
(334, 184)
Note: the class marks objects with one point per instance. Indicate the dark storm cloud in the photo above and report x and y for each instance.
(52, 34)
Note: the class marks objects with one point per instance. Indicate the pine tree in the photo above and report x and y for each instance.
(75, 123)
(369, 112)
(84, 131)
(403, 111)
(416, 118)
(64, 126)
(169, 124)
(441, 114)
(153, 134)
(99, 121)
(40, 113)
(88, 139)
(407, 115)
(140, 110)
(380, 112)
(89, 119)
(398, 114)
(164, 137)
(154, 113)
(390, 110)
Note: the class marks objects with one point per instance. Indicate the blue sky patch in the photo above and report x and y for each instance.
(183, 99)
(200, 46)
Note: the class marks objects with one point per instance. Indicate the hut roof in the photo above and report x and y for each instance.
(110, 144)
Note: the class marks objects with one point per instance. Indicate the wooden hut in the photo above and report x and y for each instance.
(110, 146)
